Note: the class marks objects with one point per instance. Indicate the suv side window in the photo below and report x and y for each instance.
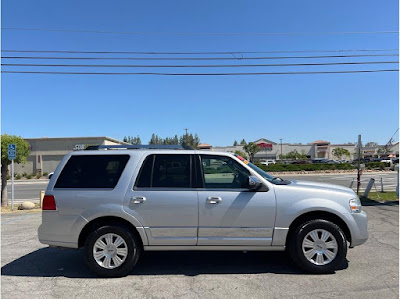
(171, 171)
(92, 171)
(223, 172)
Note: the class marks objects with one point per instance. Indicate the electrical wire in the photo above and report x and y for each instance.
(195, 66)
(201, 74)
(199, 58)
(195, 53)
(201, 33)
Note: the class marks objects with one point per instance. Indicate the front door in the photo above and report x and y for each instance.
(230, 214)
(164, 201)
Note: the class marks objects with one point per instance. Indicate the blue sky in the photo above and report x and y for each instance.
(297, 108)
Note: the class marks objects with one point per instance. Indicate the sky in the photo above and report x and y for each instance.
(220, 109)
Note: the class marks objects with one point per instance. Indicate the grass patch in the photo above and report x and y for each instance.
(379, 197)
(7, 209)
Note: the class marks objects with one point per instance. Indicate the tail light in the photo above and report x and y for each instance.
(49, 203)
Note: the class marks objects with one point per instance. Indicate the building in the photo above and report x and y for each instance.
(318, 149)
(46, 153)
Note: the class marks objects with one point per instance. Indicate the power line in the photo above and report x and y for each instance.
(196, 66)
(201, 74)
(199, 58)
(195, 53)
(200, 33)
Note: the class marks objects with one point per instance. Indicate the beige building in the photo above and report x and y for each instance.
(46, 153)
(317, 149)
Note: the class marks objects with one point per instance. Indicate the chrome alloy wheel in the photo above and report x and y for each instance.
(110, 251)
(319, 247)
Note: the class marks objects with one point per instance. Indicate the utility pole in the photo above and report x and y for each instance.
(281, 149)
(358, 164)
(186, 136)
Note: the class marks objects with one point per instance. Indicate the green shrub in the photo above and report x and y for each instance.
(38, 176)
(24, 174)
(45, 173)
(28, 176)
(376, 165)
(304, 167)
(17, 176)
(8, 177)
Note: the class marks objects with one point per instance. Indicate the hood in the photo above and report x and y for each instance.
(321, 186)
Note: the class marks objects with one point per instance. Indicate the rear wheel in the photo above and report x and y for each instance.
(112, 251)
(318, 246)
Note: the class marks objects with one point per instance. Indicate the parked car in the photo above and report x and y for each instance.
(119, 201)
(333, 162)
(267, 162)
(301, 162)
(319, 160)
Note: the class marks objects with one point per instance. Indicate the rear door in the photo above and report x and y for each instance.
(164, 200)
(230, 214)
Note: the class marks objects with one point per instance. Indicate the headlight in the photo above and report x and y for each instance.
(355, 205)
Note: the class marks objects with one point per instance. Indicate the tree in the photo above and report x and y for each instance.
(22, 154)
(371, 144)
(383, 151)
(133, 140)
(242, 154)
(243, 142)
(251, 149)
(339, 152)
(235, 143)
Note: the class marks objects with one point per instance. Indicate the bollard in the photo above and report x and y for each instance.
(369, 186)
(41, 197)
(381, 185)
(351, 184)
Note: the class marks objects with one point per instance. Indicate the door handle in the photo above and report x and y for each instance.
(214, 200)
(138, 199)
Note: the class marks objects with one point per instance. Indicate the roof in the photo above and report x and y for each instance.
(204, 145)
(88, 137)
(320, 141)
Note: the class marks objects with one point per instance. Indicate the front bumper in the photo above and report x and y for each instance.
(359, 229)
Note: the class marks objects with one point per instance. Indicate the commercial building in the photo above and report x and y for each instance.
(46, 153)
(317, 149)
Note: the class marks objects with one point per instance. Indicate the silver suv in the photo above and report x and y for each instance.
(118, 201)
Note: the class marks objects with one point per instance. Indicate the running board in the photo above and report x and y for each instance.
(214, 248)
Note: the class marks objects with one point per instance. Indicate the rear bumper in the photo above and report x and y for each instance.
(61, 231)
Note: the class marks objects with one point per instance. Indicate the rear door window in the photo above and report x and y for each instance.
(168, 171)
(92, 171)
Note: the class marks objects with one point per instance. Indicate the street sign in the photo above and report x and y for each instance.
(12, 154)
(12, 151)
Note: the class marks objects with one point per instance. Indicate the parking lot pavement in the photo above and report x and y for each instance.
(32, 270)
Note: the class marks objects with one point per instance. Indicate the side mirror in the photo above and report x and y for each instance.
(254, 183)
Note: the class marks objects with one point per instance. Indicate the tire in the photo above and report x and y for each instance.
(308, 250)
(120, 253)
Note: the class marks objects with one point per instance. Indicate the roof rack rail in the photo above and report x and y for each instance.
(134, 146)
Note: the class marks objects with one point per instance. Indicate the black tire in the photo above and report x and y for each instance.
(295, 249)
(133, 246)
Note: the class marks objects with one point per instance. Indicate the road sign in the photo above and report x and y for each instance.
(12, 154)
(12, 151)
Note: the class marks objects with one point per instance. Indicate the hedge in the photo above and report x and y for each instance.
(313, 167)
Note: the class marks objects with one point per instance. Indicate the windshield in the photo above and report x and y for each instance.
(261, 172)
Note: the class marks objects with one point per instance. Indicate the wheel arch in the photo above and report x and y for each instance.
(107, 220)
(324, 215)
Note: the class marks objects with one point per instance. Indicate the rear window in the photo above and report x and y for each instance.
(97, 171)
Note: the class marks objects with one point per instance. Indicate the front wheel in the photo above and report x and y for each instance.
(112, 251)
(318, 246)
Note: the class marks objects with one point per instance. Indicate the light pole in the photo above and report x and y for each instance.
(186, 136)
(281, 149)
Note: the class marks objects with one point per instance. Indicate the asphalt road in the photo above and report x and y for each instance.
(30, 189)
(32, 270)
